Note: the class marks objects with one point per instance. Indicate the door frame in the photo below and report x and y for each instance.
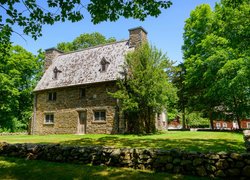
(78, 122)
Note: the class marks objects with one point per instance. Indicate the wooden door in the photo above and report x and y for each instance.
(82, 122)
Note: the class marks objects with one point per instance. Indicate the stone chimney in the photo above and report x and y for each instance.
(137, 36)
(50, 55)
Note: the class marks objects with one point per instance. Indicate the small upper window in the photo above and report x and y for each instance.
(82, 92)
(100, 116)
(52, 96)
(56, 71)
(104, 64)
(49, 118)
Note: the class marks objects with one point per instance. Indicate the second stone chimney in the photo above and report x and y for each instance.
(137, 36)
(50, 54)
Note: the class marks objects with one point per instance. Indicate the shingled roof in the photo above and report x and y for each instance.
(85, 66)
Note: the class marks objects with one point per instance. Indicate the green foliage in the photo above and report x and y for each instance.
(17, 79)
(195, 120)
(216, 52)
(84, 41)
(145, 88)
(31, 15)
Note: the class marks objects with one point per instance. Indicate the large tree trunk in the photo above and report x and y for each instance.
(238, 120)
(183, 118)
(211, 120)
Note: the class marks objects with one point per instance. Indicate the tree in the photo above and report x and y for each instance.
(31, 16)
(178, 81)
(17, 79)
(84, 41)
(145, 88)
(216, 58)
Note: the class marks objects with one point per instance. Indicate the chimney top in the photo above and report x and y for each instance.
(139, 27)
(137, 36)
(53, 49)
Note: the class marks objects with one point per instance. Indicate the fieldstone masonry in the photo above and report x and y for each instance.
(247, 139)
(67, 105)
(224, 165)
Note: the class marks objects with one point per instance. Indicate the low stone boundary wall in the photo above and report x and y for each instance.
(247, 139)
(172, 161)
(16, 133)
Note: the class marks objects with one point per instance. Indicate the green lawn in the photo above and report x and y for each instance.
(190, 141)
(14, 168)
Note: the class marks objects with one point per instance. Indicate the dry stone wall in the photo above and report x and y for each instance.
(222, 165)
(247, 139)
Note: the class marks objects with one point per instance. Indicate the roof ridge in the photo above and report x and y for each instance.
(93, 47)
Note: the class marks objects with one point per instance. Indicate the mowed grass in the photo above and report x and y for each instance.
(14, 168)
(189, 141)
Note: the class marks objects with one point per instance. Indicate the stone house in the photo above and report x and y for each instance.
(72, 96)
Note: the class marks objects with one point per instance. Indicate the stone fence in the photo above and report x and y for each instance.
(16, 133)
(247, 139)
(172, 161)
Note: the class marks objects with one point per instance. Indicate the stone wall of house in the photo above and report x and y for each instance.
(67, 106)
(225, 165)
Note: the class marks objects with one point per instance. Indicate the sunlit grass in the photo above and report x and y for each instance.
(14, 168)
(190, 141)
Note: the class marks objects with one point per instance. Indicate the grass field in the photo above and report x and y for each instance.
(14, 168)
(190, 141)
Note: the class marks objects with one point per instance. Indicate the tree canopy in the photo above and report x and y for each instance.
(31, 15)
(84, 41)
(18, 75)
(145, 88)
(216, 57)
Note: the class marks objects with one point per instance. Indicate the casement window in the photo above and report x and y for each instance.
(49, 119)
(52, 96)
(100, 116)
(82, 93)
(224, 125)
(104, 65)
(248, 125)
(56, 71)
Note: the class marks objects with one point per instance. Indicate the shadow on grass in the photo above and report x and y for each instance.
(14, 168)
(199, 145)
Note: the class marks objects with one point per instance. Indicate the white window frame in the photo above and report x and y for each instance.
(218, 125)
(50, 120)
(100, 118)
(248, 125)
(224, 125)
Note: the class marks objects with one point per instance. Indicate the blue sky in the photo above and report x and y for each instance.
(164, 32)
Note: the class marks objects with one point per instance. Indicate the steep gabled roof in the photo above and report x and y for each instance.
(84, 67)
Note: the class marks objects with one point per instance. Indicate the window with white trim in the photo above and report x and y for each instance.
(100, 115)
(218, 125)
(49, 119)
(224, 125)
(248, 125)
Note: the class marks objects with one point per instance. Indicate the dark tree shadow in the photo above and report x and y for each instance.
(199, 145)
(14, 168)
